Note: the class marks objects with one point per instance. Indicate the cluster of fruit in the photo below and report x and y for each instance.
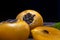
(26, 22)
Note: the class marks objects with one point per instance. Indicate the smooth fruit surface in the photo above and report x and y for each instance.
(32, 17)
(45, 33)
(18, 30)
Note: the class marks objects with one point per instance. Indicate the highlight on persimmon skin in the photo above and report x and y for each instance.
(14, 30)
(32, 17)
(45, 33)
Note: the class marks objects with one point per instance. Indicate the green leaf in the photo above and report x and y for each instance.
(57, 25)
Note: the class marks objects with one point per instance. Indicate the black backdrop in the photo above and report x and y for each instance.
(10, 9)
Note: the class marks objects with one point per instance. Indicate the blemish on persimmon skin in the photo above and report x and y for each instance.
(45, 31)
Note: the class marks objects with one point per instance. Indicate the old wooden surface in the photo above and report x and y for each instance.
(30, 39)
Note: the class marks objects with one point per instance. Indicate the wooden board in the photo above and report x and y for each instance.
(30, 39)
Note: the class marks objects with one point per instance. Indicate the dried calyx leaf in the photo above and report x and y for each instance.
(28, 18)
(11, 20)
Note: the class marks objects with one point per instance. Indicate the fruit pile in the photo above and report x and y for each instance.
(26, 22)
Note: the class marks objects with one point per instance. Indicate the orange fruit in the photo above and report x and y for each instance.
(45, 33)
(14, 30)
(32, 17)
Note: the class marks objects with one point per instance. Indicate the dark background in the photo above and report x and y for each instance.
(48, 9)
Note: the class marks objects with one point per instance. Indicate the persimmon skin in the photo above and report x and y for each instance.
(45, 33)
(18, 30)
(37, 19)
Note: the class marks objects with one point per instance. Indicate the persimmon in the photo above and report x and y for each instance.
(32, 17)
